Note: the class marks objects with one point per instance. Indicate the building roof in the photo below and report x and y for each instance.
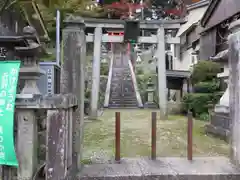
(178, 73)
(209, 12)
(221, 56)
(192, 19)
(219, 11)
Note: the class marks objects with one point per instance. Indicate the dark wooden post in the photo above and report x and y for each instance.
(117, 137)
(189, 135)
(154, 135)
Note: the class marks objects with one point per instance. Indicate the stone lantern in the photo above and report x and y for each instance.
(150, 94)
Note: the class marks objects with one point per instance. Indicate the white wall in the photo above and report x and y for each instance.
(185, 61)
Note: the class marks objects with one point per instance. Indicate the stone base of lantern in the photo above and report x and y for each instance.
(150, 105)
(219, 124)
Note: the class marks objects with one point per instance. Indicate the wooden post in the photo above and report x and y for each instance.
(154, 133)
(189, 134)
(117, 137)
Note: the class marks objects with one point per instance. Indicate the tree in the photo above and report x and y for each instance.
(205, 71)
(84, 8)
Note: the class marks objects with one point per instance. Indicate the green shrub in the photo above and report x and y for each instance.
(204, 116)
(87, 94)
(207, 87)
(198, 103)
(217, 95)
(142, 85)
(205, 71)
(104, 70)
(139, 71)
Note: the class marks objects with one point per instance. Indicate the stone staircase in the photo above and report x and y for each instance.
(122, 93)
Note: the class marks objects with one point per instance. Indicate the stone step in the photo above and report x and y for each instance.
(119, 84)
(123, 102)
(121, 77)
(116, 97)
(130, 99)
(120, 90)
(126, 94)
(201, 168)
(120, 72)
(121, 98)
(122, 105)
(117, 72)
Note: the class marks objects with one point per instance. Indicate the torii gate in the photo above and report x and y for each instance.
(73, 67)
(160, 39)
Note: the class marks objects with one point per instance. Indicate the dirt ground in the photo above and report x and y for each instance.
(136, 137)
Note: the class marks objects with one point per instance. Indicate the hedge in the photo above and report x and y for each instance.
(198, 103)
(207, 87)
(205, 71)
(104, 70)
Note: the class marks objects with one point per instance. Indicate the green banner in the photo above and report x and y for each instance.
(8, 84)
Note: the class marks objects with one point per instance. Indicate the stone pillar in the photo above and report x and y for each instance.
(185, 87)
(27, 118)
(178, 96)
(177, 52)
(234, 93)
(96, 71)
(162, 79)
(72, 77)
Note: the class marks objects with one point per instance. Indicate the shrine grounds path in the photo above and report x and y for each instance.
(99, 137)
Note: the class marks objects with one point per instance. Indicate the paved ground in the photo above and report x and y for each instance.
(201, 168)
(136, 137)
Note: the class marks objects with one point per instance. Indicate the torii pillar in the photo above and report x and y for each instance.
(96, 72)
(162, 78)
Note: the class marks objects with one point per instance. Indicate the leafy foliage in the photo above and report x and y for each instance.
(207, 87)
(198, 103)
(205, 71)
(104, 70)
(84, 8)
